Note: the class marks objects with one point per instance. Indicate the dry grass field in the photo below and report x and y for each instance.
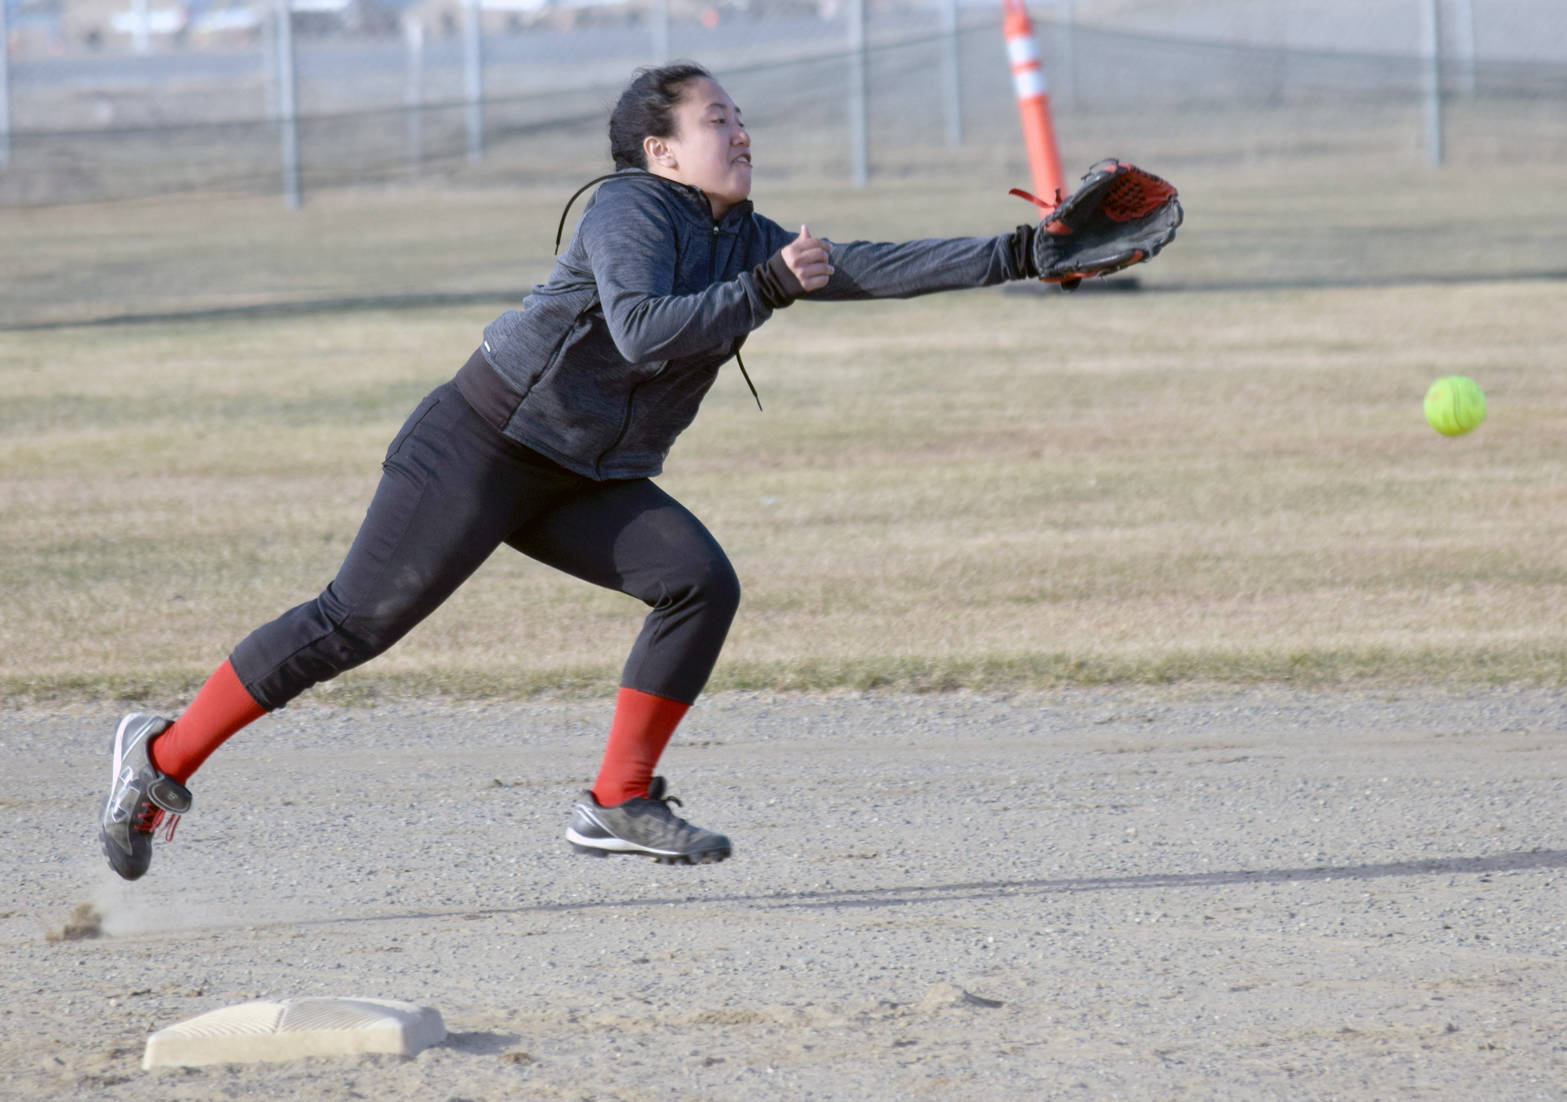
(1258, 795)
(1221, 476)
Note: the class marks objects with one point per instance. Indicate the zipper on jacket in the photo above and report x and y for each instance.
(625, 421)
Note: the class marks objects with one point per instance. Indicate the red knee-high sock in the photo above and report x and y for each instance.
(638, 734)
(222, 707)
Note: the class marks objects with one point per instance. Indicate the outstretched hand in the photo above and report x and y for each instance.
(806, 257)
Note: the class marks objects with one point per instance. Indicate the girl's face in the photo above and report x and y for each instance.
(710, 148)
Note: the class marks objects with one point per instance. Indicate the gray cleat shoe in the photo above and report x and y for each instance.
(140, 798)
(644, 827)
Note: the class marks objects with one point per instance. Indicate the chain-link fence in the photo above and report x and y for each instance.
(111, 103)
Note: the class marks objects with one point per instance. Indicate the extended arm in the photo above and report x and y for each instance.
(865, 269)
(1121, 215)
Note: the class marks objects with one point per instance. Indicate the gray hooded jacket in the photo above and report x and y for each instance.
(606, 362)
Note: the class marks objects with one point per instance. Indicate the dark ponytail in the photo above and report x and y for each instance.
(647, 109)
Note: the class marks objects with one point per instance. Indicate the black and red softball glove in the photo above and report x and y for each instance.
(1121, 215)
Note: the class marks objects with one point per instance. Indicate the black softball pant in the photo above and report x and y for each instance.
(453, 489)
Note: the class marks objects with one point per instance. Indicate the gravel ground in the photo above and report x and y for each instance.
(1178, 894)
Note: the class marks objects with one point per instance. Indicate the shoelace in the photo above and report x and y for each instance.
(655, 794)
(152, 817)
(674, 822)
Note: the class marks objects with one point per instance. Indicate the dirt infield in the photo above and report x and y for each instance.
(1114, 894)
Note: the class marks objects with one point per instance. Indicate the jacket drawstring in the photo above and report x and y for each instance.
(561, 229)
(747, 376)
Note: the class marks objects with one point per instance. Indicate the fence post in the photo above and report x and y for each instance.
(1470, 60)
(660, 31)
(5, 87)
(288, 108)
(141, 37)
(952, 73)
(269, 65)
(1069, 60)
(473, 78)
(1431, 50)
(413, 90)
(859, 129)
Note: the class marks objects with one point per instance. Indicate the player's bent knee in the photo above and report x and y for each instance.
(718, 588)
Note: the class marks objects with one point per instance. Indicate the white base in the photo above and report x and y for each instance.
(294, 1029)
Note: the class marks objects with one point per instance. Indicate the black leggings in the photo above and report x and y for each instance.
(453, 489)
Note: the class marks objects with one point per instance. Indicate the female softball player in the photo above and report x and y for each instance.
(547, 440)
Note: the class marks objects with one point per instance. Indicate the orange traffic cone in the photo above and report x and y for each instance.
(1033, 107)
